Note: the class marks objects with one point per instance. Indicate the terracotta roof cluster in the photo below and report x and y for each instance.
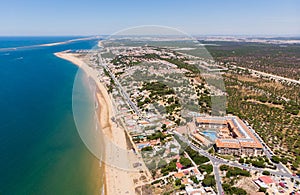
(222, 143)
(249, 144)
(235, 143)
(234, 128)
(201, 138)
(211, 121)
(243, 136)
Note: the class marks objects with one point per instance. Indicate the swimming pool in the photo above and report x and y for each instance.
(211, 135)
(140, 146)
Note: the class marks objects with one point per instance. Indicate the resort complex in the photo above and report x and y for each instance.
(233, 135)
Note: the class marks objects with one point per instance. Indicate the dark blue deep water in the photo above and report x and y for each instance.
(40, 149)
(8, 42)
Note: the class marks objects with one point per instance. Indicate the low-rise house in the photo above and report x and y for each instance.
(266, 179)
(191, 191)
(179, 166)
(179, 175)
(260, 183)
(186, 181)
(200, 177)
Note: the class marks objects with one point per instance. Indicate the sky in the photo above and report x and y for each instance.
(197, 17)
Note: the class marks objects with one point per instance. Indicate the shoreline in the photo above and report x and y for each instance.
(113, 179)
(68, 41)
(79, 63)
(46, 44)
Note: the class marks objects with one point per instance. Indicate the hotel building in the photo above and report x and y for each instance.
(233, 135)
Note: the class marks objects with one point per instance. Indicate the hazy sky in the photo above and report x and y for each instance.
(89, 17)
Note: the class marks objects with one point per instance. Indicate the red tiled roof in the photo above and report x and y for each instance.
(266, 179)
(179, 165)
(210, 121)
(222, 144)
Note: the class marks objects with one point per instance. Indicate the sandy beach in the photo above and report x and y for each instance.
(46, 44)
(68, 41)
(117, 180)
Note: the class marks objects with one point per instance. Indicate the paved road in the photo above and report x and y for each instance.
(216, 161)
(269, 75)
(123, 92)
(218, 178)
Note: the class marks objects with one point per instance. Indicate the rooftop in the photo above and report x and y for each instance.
(179, 175)
(266, 179)
(240, 135)
(179, 165)
(227, 143)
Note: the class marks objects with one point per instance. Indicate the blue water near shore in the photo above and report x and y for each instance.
(40, 149)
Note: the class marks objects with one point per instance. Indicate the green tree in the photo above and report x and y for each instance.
(209, 180)
(147, 148)
(238, 191)
(207, 168)
(185, 162)
(182, 186)
(194, 179)
(177, 182)
(226, 187)
(275, 159)
(162, 163)
(266, 173)
(258, 163)
(261, 189)
(241, 160)
(224, 167)
(284, 160)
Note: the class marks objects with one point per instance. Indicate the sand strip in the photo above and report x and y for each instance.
(117, 181)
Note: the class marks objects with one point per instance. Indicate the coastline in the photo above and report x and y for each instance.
(113, 180)
(68, 41)
(46, 44)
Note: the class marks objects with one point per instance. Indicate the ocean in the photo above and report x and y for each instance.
(40, 149)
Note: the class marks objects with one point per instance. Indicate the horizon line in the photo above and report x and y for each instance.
(233, 35)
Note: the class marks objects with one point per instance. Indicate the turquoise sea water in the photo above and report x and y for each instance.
(40, 149)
